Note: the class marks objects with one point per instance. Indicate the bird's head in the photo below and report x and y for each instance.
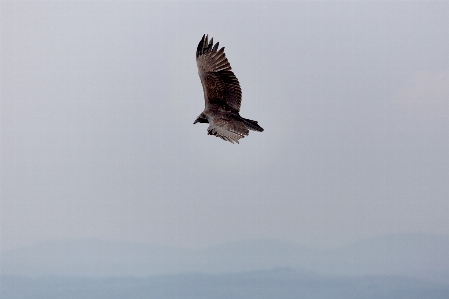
(201, 119)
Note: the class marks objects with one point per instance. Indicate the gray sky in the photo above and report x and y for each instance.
(98, 101)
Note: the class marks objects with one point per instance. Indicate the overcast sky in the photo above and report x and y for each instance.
(98, 101)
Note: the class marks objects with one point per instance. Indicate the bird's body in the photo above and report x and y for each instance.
(222, 95)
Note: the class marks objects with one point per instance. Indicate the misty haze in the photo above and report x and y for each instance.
(109, 191)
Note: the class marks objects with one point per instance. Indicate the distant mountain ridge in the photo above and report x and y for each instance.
(422, 256)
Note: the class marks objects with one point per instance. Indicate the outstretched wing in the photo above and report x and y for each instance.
(217, 78)
(229, 130)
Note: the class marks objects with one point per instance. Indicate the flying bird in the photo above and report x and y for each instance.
(222, 94)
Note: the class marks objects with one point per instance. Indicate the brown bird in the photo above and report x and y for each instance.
(222, 95)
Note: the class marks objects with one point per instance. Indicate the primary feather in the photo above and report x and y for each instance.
(222, 94)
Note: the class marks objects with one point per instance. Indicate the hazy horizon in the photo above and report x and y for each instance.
(225, 243)
(98, 101)
(416, 256)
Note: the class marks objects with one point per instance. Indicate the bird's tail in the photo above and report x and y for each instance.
(252, 125)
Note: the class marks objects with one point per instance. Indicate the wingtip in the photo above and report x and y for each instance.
(202, 45)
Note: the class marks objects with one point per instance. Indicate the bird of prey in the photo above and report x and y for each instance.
(222, 95)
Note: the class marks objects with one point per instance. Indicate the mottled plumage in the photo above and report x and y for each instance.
(222, 94)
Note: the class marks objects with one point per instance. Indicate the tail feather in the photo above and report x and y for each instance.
(252, 125)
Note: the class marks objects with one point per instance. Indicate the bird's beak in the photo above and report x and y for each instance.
(196, 120)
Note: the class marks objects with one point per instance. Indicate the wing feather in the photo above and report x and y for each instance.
(227, 129)
(217, 78)
(215, 47)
